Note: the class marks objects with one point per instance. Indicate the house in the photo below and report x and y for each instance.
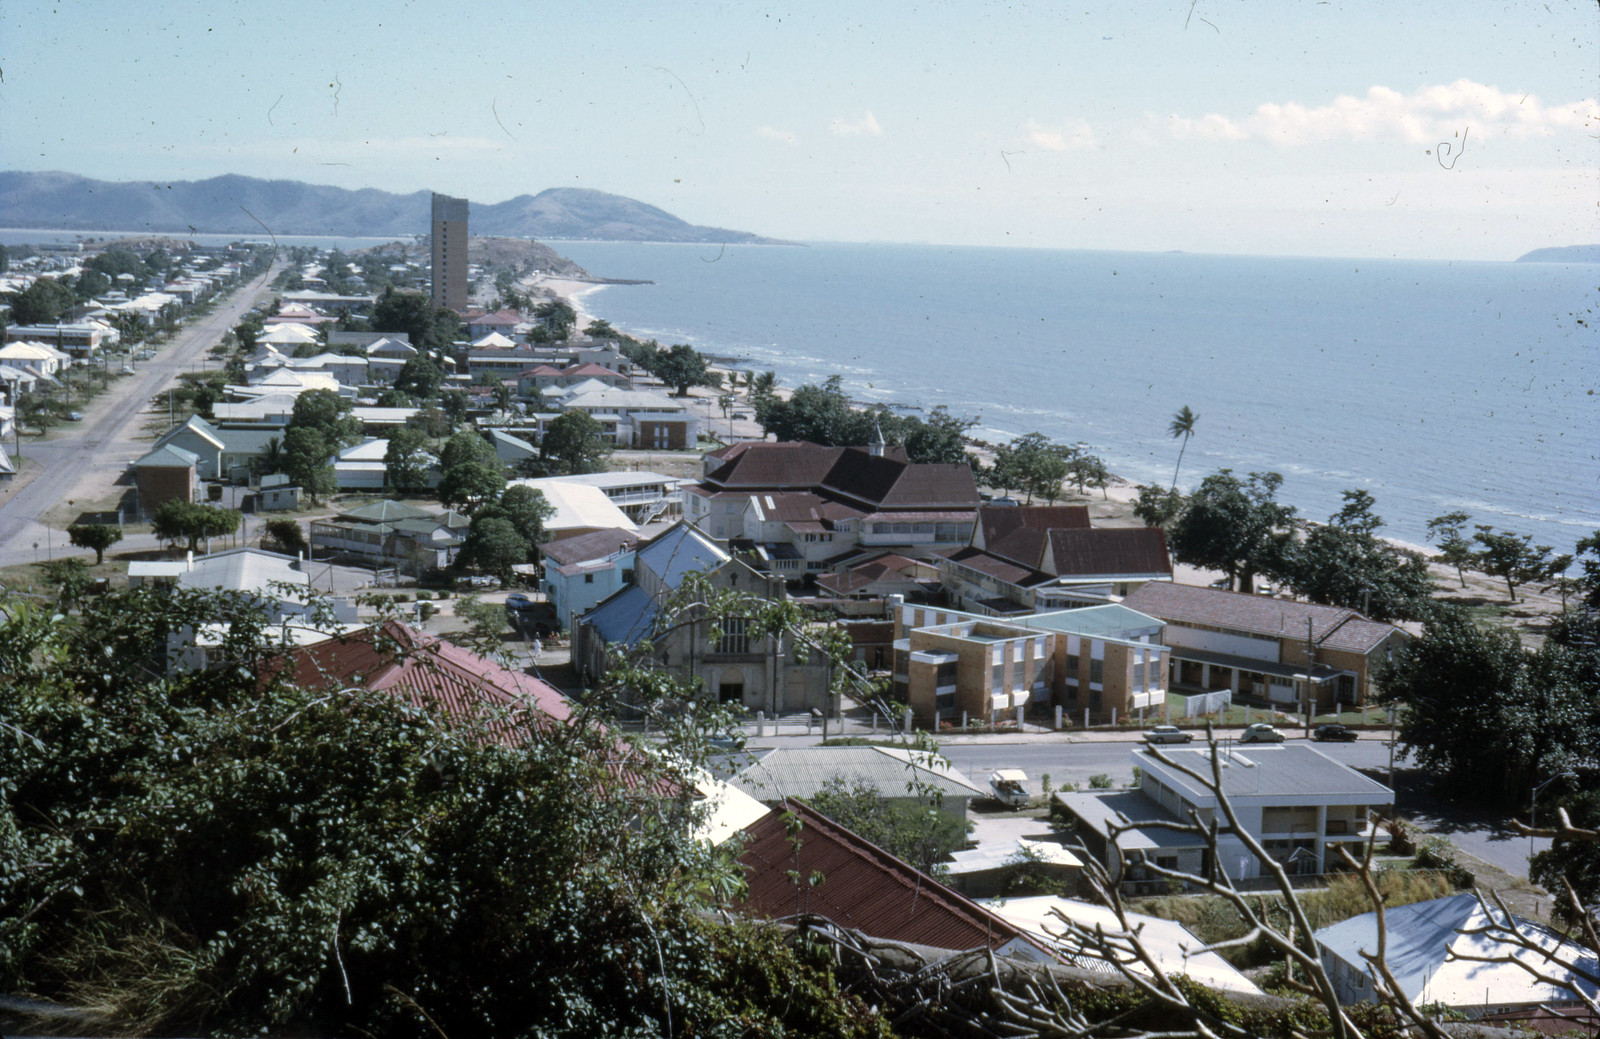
(166, 473)
(17, 382)
(862, 887)
(641, 419)
(1100, 662)
(8, 468)
(277, 493)
(1300, 804)
(1277, 650)
(582, 571)
(544, 377)
(1435, 951)
(823, 505)
(510, 450)
(389, 533)
(41, 358)
(880, 577)
(1062, 925)
(1026, 558)
(760, 672)
(897, 774)
(81, 340)
(643, 496)
(580, 508)
(428, 673)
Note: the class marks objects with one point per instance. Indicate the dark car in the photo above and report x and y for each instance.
(1334, 734)
(531, 617)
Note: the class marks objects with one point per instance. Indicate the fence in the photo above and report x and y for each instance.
(1206, 703)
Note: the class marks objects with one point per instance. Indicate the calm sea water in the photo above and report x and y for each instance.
(1435, 386)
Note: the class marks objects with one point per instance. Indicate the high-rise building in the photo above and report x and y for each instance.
(449, 252)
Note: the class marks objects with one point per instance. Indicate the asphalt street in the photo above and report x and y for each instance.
(85, 463)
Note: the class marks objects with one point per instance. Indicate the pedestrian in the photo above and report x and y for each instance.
(538, 647)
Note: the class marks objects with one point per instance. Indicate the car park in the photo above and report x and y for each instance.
(1335, 734)
(1261, 732)
(1168, 734)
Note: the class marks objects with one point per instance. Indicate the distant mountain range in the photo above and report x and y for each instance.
(1563, 254)
(235, 204)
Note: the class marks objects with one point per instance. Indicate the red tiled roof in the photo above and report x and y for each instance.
(539, 370)
(590, 370)
(863, 887)
(1019, 532)
(996, 567)
(1332, 627)
(1107, 551)
(427, 672)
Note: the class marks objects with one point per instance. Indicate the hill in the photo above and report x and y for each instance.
(1563, 254)
(234, 204)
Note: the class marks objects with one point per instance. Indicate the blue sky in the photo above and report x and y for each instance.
(1210, 126)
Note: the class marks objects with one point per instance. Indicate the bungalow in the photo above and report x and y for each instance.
(544, 377)
(1276, 650)
(580, 508)
(42, 358)
(166, 473)
(388, 533)
(580, 572)
(1297, 802)
(638, 418)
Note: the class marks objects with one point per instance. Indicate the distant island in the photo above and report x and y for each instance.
(236, 204)
(1563, 254)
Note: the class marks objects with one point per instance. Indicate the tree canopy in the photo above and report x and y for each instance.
(574, 443)
(1235, 526)
(430, 329)
(1345, 563)
(179, 520)
(96, 536)
(406, 460)
(329, 414)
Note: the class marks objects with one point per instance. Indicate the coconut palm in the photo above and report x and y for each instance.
(1182, 426)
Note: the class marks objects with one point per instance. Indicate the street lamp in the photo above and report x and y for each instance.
(1533, 806)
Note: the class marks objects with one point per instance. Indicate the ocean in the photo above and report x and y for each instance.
(1435, 386)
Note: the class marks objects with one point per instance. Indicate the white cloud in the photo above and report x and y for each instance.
(781, 136)
(866, 126)
(1073, 133)
(1424, 116)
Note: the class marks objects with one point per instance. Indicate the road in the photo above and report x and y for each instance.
(86, 464)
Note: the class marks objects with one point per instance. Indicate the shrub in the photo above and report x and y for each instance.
(1100, 782)
(424, 596)
(1439, 854)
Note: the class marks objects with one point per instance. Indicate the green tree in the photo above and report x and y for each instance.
(1158, 506)
(41, 303)
(681, 366)
(222, 851)
(818, 414)
(600, 328)
(1454, 549)
(91, 283)
(1031, 463)
(914, 829)
(329, 414)
(288, 536)
(406, 460)
(178, 520)
(429, 328)
(1484, 718)
(71, 578)
(940, 438)
(419, 377)
(466, 446)
(1235, 526)
(308, 459)
(557, 314)
(573, 444)
(494, 545)
(1345, 563)
(1575, 861)
(471, 474)
(96, 536)
(455, 403)
(1515, 559)
(526, 509)
(1182, 425)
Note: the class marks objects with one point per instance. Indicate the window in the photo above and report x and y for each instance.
(588, 579)
(734, 637)
(1097, 672)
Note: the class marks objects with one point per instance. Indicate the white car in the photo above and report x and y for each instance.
(1010, 786)
(1261, 732)
(1168, 734)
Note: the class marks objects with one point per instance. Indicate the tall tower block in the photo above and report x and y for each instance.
(450, 252)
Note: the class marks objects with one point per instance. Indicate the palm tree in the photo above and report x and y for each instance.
(1182, 426)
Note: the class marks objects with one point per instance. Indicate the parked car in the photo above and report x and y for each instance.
(75, 416)
(1261, 732)
(531, 617)
(1010, 786)
(1168, 734)
(1335, 734)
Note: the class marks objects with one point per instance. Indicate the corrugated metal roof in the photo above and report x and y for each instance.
(805, 771)
(1333, 627)
(861, 886)
(1109, 551)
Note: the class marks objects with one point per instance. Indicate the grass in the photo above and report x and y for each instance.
(1213, 919)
